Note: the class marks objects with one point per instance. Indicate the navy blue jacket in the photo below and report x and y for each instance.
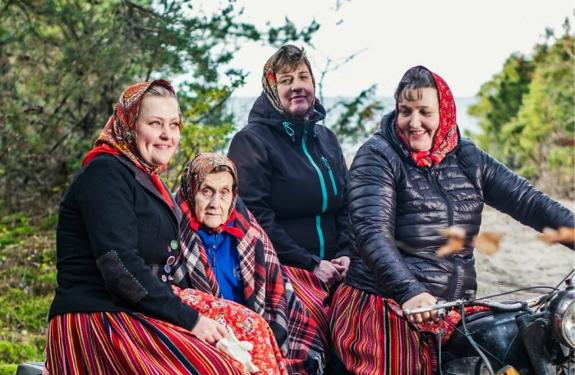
(292, 177)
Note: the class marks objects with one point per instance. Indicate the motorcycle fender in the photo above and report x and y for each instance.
(533, 331)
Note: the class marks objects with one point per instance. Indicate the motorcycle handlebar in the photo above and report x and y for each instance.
(499, 306)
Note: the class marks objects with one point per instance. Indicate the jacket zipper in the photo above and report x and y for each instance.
(330, 172)
(432, 177)
(323, 194)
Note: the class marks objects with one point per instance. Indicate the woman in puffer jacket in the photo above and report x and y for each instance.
(412, 178)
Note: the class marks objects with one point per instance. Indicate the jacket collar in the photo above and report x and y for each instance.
(264, 113)
(147, 184)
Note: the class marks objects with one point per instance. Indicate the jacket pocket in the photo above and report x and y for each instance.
(436, 277)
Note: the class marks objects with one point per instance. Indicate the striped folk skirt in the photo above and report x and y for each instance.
(133, 343)
(371, 337)
(312, 292)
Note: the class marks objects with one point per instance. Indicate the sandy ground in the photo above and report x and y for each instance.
(522, 260)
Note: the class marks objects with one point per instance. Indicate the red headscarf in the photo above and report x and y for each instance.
(119, 134)
(446, 137)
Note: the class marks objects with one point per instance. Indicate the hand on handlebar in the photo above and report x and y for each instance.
(421, 300)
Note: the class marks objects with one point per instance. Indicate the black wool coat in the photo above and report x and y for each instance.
(292, 176)
(115, 233)
(397, 208)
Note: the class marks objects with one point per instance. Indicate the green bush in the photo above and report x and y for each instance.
(27, 280)
(7, 369)
(14, 228)
(20, 310)
(16, 353)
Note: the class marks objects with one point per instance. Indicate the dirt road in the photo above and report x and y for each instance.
(521, 260)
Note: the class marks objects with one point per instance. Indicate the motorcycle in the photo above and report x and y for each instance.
(536, 336)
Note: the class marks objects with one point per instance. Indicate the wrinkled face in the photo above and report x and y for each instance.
(296, 90)
(418, 120)
(158, 129)
(214, 199)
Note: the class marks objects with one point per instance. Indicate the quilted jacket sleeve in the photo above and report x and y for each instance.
(514, 195)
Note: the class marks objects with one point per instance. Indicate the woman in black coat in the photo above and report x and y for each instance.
(115, 310)
(412, 178)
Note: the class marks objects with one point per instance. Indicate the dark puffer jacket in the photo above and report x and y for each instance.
(292, 176)
(396, 209)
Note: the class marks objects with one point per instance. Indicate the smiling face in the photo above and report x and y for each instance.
(418, 119)
(296, 90)
(158, 129)
(214, 199)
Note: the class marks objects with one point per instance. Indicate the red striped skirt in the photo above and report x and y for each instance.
(312, 292)
(132, 343)
(371, 337)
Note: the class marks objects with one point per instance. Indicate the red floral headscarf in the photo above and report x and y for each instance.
(446, 137)
(119, 134)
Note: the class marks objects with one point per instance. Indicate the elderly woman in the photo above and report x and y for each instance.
(227, 253)
(292, 178)
(412, 178)
(114, 310)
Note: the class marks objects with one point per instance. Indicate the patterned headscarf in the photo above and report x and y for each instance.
(119, 134)
(446, 137)
(269, 81)
(194, 175)
(120, 130)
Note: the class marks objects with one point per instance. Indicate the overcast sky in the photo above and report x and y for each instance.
(466, 42)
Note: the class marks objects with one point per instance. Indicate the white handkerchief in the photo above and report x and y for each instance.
(238, 350)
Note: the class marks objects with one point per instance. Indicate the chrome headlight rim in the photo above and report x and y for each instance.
(563, 317)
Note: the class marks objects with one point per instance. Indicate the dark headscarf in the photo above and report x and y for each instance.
(446, 136)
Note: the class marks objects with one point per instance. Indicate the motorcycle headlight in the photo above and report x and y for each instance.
(563, 315)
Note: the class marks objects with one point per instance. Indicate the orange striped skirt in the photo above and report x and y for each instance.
(370, 336)
(132, 343)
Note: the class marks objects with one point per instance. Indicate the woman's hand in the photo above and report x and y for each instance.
(209, 330)
(327, 272)
(342, 264)
(421, 300)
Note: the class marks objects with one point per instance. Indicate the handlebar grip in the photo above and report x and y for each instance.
(442, 306)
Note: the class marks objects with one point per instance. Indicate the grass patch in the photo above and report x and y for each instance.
(27, 282)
